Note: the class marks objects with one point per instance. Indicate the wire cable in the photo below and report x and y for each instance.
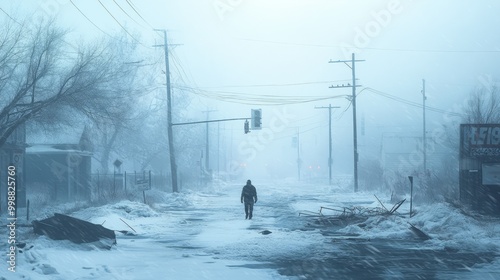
(121, 25)
(129, 2)
(254, 99)
(374, 49)
(279, 85)
(84, 15)
(412, 103)
(127, 13)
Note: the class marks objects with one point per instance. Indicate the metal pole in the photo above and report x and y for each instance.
(330, 144)
(207, 152)
(98, 186)
(218, 149)
(411, 194)
(329, 139)
(207, 143)
(298, 152)
(424, 137)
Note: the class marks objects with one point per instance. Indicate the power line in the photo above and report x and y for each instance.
(301, 132)
(412, 103)
(254, 99)
(129, 2)
(279, 85)
(95, 25)
(180, 68)
(121, 24)
(374, 49)
(126, 13)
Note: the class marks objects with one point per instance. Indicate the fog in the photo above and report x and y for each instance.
(234, 56)
(128, 128)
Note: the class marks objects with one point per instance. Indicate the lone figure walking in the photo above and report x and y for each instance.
(249, 196)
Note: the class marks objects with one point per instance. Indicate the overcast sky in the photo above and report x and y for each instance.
(453, 45)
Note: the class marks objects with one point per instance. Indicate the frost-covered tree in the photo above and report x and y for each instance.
(43, 77)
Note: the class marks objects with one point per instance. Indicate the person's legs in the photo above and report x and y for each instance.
(246, 210)
(250, 210)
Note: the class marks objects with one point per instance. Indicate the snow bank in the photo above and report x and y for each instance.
(448, 227)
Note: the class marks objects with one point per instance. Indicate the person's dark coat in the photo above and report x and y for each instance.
(249, 194)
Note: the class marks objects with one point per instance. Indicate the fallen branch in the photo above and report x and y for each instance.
(396, 206)
(128, 225)
(381, 203)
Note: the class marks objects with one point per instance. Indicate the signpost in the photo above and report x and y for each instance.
(411, 194)
(143, 185)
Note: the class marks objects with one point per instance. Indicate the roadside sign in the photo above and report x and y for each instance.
(142, 184)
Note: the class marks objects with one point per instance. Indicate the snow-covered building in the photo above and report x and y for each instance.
(62, 169)
(480, 166)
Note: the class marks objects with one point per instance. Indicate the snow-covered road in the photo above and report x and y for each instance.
(203, 235)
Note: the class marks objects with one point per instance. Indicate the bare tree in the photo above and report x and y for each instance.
(483, 106)
(40, 74)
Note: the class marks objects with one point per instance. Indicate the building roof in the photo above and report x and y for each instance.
(56, 149)
(77, 139)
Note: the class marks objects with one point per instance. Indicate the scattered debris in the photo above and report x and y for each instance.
(394, 208)
(21, 247)
(420, 234)
(265, 232)
(62, 227)
(339, 216)
(128, 225)
(343, 216)
(347, 215)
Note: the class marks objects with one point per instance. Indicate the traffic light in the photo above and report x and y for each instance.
(256, 119)
(247, 128)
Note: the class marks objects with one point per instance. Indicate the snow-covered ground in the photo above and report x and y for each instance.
(203, 235)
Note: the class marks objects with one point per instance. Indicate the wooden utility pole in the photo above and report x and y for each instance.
(207, 142)
(353, 101)
(299, 162)
(329, 139)
(171, 151)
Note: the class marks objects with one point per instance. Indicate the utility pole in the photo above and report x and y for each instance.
(353, 100)
(207, 147)
(298, 153)
(329, 139)
(173, 164)
(424, 137)
(218, 149)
